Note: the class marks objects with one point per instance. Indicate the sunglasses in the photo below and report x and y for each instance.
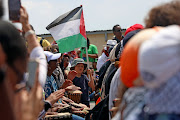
(118, 30)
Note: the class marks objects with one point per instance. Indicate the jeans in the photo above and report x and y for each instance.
(75, 117)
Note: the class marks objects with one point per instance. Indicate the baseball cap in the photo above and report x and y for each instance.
(77, 61)
(111, 43)
(159, 57)
(50, 56)
(133, 27)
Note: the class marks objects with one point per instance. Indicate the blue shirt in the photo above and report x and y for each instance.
(50, 86)
(82, 82)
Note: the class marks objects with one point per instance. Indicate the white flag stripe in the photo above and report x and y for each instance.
(65, 30)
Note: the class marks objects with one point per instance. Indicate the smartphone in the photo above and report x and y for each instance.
(14, 10)
(71, 75)
(33, 65)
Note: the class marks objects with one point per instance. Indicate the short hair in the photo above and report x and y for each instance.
(12, 43)
(164, 15)
(114, 27)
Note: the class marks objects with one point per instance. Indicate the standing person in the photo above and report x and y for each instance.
(64, 65)
(81, 80)
(105, 55)
(92, 54)
(117, 33)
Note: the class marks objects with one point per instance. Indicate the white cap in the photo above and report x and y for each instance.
(159, 57)
(111, 43)
(50, 56)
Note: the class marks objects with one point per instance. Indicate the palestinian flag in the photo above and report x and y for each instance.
(68, 30)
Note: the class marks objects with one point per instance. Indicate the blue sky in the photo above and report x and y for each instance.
(98, 14)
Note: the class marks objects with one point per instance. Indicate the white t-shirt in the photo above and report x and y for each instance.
(101, 60)
(38, 53)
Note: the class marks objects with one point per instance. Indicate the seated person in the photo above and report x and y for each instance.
(81, 80)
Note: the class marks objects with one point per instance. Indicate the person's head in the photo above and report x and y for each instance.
(66, 60)
(52, 60)
(78, 65)
(52, 65)
(133, 27)
(164, 48)
(164, 15)
(110, 43)
(15, 52)
(54, 48)
(117, 31)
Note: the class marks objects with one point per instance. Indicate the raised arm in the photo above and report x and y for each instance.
(91, 81)
(30, 36)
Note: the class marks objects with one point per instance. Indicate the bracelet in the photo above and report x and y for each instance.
(47, 105)
(29, 32)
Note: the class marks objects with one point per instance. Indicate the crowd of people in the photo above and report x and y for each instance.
(136, 77)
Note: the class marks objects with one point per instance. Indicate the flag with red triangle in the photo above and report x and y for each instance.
(68, 30)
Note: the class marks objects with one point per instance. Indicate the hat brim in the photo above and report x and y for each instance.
(55, 56)
(108, 45)
(85, 65)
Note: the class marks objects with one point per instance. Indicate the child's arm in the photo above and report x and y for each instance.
(91, 82)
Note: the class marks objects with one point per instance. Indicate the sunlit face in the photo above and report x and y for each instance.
(79, 68)
(117, 31)
(66, 62)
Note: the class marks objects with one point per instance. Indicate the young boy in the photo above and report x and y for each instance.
(81, 80)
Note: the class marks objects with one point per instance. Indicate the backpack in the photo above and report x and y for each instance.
(100, 111)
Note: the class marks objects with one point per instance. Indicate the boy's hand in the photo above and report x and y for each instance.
(71, 75)
(67, 83)
(89, 71)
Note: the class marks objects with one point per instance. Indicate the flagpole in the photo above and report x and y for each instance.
(87, 58)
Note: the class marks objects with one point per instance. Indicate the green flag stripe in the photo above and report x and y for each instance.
(70, 43)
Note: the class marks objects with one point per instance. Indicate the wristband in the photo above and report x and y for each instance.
(29, 32)
(47, 105)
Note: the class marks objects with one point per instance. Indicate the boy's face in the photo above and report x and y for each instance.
(79, 68)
